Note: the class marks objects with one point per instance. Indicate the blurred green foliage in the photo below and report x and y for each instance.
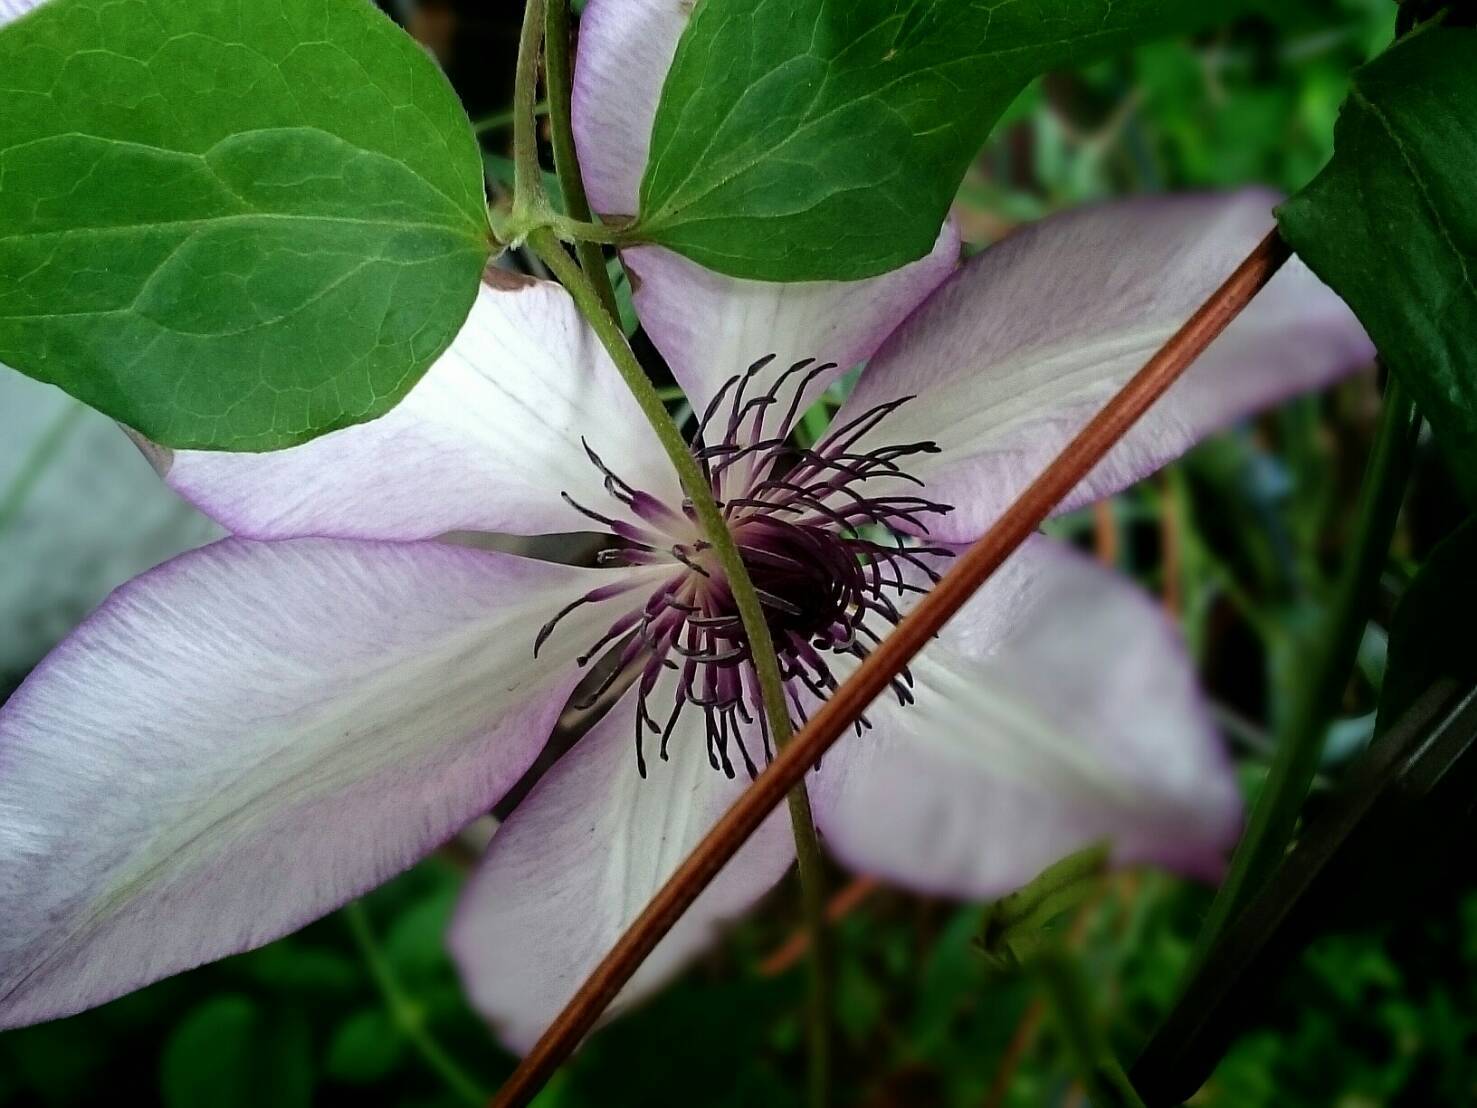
(1243, 537)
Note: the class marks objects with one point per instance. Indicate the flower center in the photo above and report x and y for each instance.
(828, 557)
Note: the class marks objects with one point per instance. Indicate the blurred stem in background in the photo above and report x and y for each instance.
(1331, 653)
(1019, 933)
(1081, 1033)
(13, 499)
(588, 284)
(408, 1016)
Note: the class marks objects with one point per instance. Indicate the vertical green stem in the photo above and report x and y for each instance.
(559, 81)
(499, 120)
(584, 283)
(1331, 657)
(751, 613)
(818, 965)
(608, 329)
(406, 1013)
(528, 179)
(1107, 1085)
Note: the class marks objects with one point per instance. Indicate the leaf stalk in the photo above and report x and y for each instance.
(404, 1012)
(559, 78)
(1097, 1066)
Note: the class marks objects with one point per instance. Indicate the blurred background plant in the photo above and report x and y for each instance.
(1241, 540)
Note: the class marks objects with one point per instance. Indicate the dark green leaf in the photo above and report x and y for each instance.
(1431, 635)
(1391, 224)
(292, 966)
(229, 1052)
(729, 1066)
(366, 1048)
(415, 943)
(55, 1061)
(824, 139)
(228, 223)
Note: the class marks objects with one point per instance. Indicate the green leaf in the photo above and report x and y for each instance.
(1391, 224)
(416, 942)
(229, 1053)
(1431, 635)
(825, 139)
(231, 224)
(366, 1048)
(291, 966)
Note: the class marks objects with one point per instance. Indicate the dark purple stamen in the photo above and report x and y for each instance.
(822, 553)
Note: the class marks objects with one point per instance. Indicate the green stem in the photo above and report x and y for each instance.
(46, 448)
(589, 284)
(498, 120)
(407, 1015)
(559, 79)
(586, 234)
(528, 179)
(1107, 1085)
(811, 869)
(1332, 656)
(756, 628)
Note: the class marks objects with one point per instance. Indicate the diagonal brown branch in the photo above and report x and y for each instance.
(831, 721)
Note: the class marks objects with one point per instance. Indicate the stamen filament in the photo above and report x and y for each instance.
(817, 579)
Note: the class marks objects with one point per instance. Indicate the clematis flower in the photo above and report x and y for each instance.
(247, 737)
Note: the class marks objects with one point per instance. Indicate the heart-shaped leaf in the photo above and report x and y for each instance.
(824, 139)
(231, 224)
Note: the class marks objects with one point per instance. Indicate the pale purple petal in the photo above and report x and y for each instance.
(1020, 349)
(1058, 709)
(710, 327)
(254, 733)
(625, 50)
(578, 860)
(80, 514)
(487, 441)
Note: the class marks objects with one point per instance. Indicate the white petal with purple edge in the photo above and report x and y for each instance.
(487, 441)
(254, 733)
(1013, 356)
(1058, 709)
(625, 50)
(580, 857)
(710, 327)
